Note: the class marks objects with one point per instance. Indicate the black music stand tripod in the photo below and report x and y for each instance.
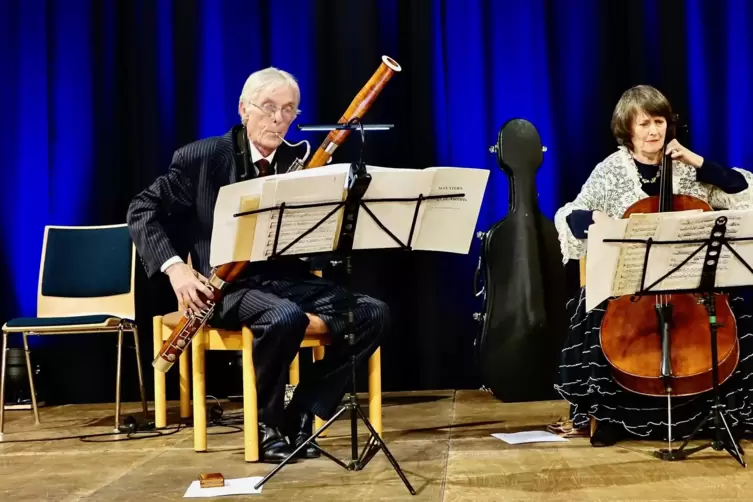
(358, 182)
(707, 288)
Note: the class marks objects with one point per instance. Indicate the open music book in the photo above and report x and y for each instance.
(616, 268)
(442, 224)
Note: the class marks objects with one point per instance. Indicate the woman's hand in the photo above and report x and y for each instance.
(678, 152)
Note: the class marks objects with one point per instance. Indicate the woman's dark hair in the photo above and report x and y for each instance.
(635, 99)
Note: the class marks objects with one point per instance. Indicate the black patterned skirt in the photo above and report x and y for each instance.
(586, 382)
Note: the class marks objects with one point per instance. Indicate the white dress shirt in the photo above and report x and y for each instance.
(256, 156)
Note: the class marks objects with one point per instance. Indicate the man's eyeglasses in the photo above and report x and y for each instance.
(288, 112)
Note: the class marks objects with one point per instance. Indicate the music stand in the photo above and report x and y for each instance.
(358, 182)
(707, 288)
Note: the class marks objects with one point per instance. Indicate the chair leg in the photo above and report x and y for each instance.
(199, 393)
(294, 372)
(375, 391)
(2, 383)
(117, 378)
(160, 394)
(250, 404)
(184, 377)
(141, 373)
(318, 354)
(31, 380)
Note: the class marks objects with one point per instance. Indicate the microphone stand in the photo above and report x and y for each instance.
(353, 124)
(358, 182)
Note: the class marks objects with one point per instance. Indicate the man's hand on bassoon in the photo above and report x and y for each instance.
(187, 285)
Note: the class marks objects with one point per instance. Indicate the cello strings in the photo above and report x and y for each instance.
(669, 420)
(666, 191)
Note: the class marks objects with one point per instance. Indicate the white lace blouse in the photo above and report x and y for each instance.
(614, 185)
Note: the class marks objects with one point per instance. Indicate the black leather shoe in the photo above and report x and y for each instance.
(607, 434)
(298, 428)
(273, 448)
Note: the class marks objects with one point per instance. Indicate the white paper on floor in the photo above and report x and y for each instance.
(238, 486)
(529, 437)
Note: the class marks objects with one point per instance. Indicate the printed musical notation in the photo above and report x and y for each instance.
(296, 222)
(633, 255)
(444, 225)
(686, 270)
(615, 268)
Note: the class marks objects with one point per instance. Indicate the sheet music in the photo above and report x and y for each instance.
(330, 169)
(448, 224)
(669, 257)
(442, 225)
(396, 216)
(230, 240)
(632, 257)
(300, 189)
(601, 264)
(238, 238)
(613, 269)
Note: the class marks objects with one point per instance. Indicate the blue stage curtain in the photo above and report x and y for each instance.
(96, 95)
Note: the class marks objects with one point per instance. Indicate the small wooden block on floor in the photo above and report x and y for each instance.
(211, 480)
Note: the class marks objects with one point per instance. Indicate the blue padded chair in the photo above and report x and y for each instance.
(86, 285)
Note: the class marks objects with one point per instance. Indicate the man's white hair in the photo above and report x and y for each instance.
(268, 78)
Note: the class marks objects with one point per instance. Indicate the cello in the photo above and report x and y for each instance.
(521, 280)
(660, 345)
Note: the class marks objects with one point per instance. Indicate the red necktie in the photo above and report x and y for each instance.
(263, 166)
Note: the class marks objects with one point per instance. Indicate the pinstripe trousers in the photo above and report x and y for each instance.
(275, 310)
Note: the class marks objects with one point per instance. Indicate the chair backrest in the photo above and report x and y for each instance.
(87, 270)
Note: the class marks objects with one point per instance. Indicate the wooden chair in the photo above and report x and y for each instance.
(317, 337)
(582, 264)
(85, 285)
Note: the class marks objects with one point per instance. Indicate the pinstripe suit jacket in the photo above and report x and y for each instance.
(174, 215)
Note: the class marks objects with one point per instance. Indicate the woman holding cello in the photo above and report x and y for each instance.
(641, 121)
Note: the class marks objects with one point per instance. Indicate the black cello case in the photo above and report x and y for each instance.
(521, 279)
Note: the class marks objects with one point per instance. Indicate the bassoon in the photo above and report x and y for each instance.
(222, 276)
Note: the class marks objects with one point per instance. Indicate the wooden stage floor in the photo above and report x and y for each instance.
(441, 439)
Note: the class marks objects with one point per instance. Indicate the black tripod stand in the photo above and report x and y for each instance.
(358, 182)
(374, 443)
(707, 289)
(717, 412)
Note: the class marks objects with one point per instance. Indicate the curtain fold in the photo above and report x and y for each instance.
(96, 96)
